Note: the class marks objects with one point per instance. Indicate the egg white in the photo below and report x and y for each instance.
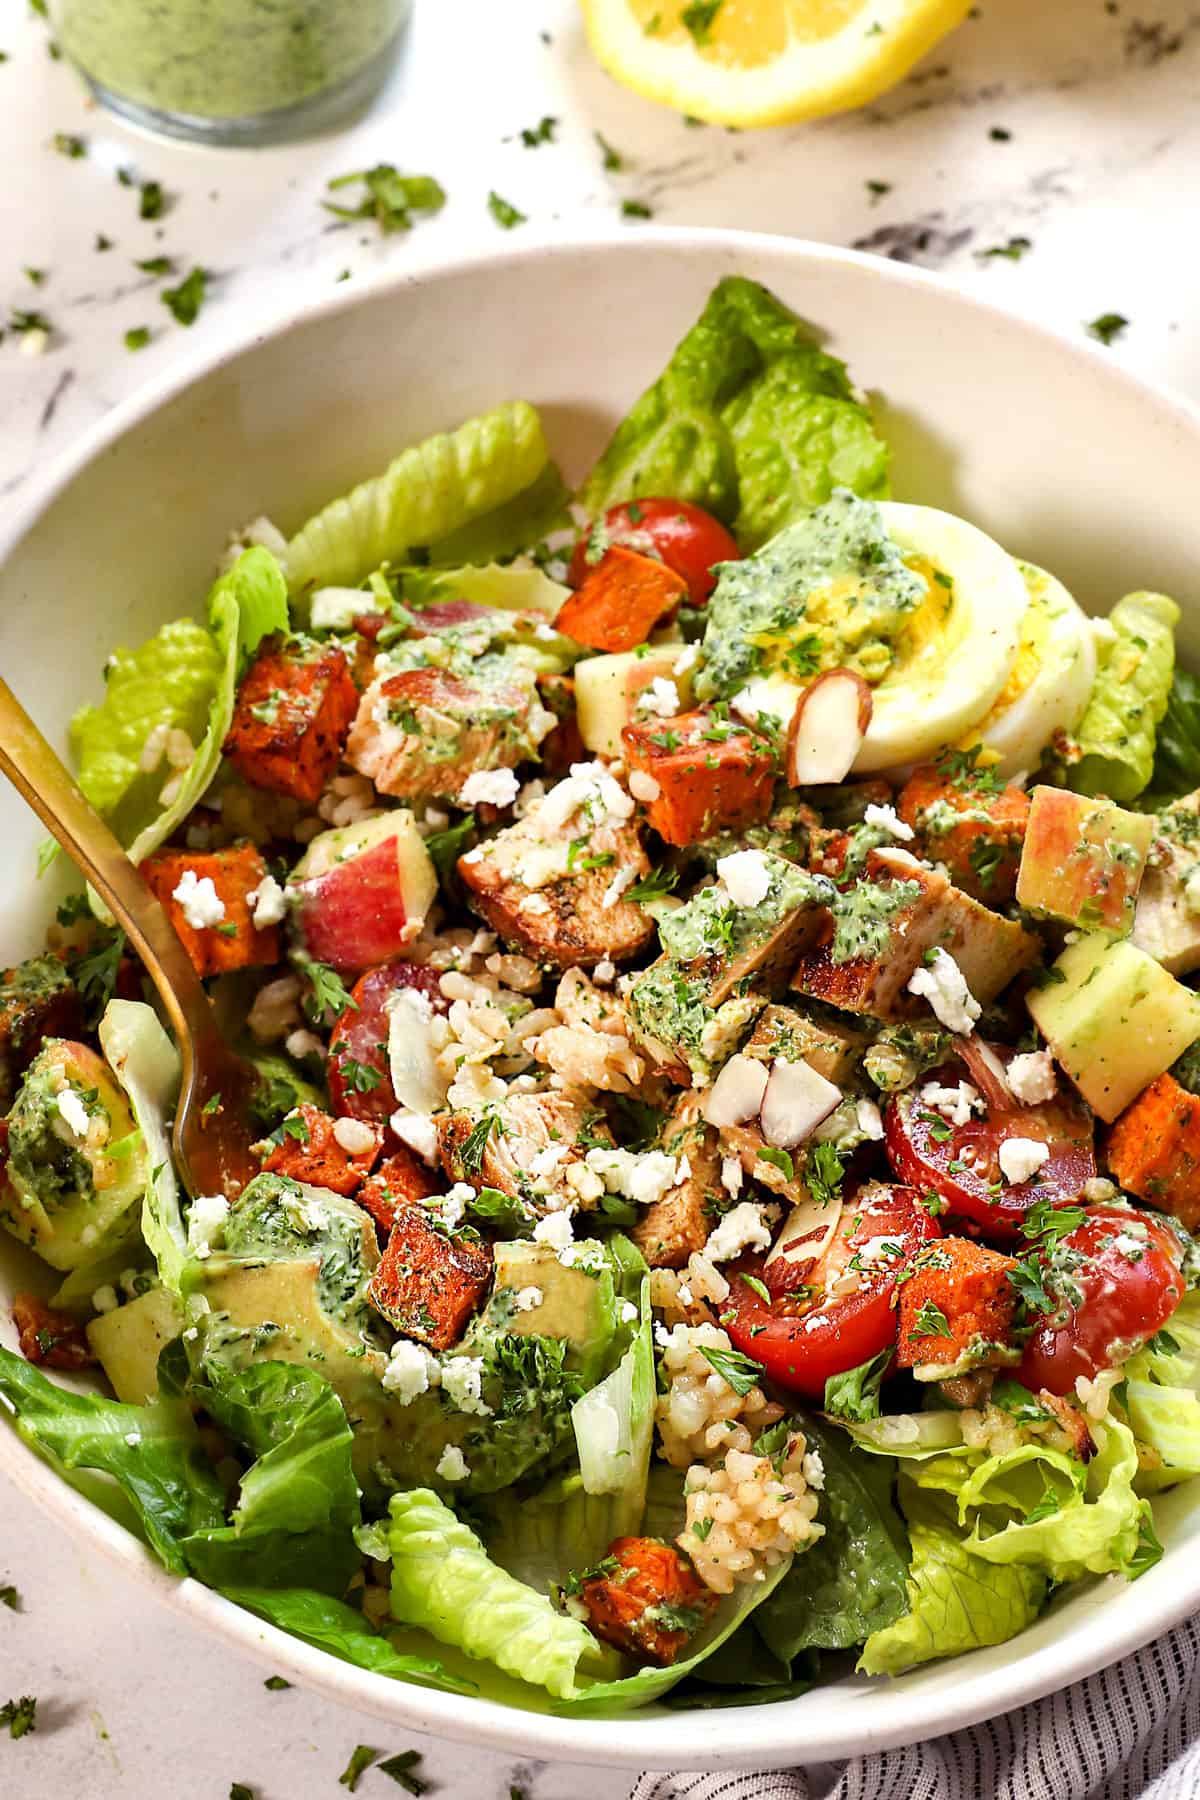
(1051, 678)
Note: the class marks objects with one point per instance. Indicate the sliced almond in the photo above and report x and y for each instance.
(828, 727)
(737, 1093)
(795, 1102)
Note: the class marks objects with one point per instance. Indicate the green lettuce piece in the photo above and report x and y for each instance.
(750, 419)
(1161, 1392)
(535, 513)
(614, 1421)
(852, 1581)
(434, 488)
(297, 1505)
(329, 1624)
(908, 1435)
(146, 1063)
(1076, 1524)
(855, 1393)
(153, 1453)
(1177, 744)
(498, 585)
(956, 1600)
(444, 1581)
(1129, 696)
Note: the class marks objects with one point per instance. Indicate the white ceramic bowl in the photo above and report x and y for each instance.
(1047, 444)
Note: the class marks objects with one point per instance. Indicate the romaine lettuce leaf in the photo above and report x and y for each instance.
(153, 1452)
(1161, 1394)
(750, 419)
(908, 1435)
(429, 491)
(1177, 744)
(1129, 696)
(146, 1063)
(535, 513)
(614, 1421)
(500, 585)
(956, 1600)
(329, 1624)
(852, 1581)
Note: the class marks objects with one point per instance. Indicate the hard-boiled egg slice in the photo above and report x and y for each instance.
(956, 653)
(1050, 680)
(951, 661)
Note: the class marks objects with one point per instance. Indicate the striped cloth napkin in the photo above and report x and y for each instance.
(1132, 1732)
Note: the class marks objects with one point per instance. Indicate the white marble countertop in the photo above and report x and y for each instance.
(1099, 98)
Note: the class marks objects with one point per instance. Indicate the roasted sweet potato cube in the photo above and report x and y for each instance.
(38, 1000)
(621, 600)
(710, 776)
(645, 1598)
(50, 1337)
(1154, 1149)
(429, 1282)
(956, 1310)
(399, 1182)
(324, 1152)
(293, 711)
(233, 941)
(970, 822)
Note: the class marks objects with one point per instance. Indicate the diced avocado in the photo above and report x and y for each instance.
(276, 1219)
(77, 1164)
(575, 1305)
(980, 1352)
(283, 1088)
(783, 1032)
(1114, 1019)
(1083, 860)
(275, 1310)
(607, 690)
(129, 1340)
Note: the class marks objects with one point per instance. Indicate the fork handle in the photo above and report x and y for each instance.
(41, 779)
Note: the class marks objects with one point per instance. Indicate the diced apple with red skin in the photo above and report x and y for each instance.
(1083, 860)
(607, 690)
(361, 893)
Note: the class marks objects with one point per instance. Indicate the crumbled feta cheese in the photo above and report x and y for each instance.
(644, 1177)
(869, 1120)
(745, 1227)
(353, 1136)
(590, 786)
(462, 1384)
(885, 818)
(489, 787)
(528, 1298)
(133, 1439)
(624, 878)
(303, 1043)
(418, 1131)
(410, 1371)
(875, 1250)
(199, 901)
(206, 1220)
(542, 1166)
(1031, 1077)
(954, 1103)
(746, 876)
(660, 699)
(555, 1229)
(813, 1470)
(685, 1294)
(942, 983)
(72, 1111)
(604, 973)
(105, 1299)
(1022, 1157)
(732, 1175)
(627, 1312)
(1130, 1247)
(688, 660)
(588, 1257)
(452, 1464)
(267, 903)
(643, 786)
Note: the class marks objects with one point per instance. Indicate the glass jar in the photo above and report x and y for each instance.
(231, 71)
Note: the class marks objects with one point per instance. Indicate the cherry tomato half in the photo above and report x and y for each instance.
(1124, 1266)
(802, 1340)
(360, 1082)
(684, 536)
(961, 1162)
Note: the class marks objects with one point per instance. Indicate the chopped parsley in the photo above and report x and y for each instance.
(327, 992)
(823, 1172)
(506, 215)
(779, 1159)
(739, 1371)
(1000, 135)
(156, 265)
(275, 1684)
(635, 209)
(9, 1597)
(1108, 326)
(614, 162)
(36, 276)
(239, 1791)
(939, 1130)
(1012, 251)
(877, 189)
(96, 972)
(654, 886)
(211, 1108)
(402, 1769)
(757, 1287)
(541, 133)
(19, 1715)
(359, 1078)
(137, 338)
(67, 144)
(362, 1758)
(445, 847)
(985, 859)
(151, 200)
(389, 197)
(1049, 1223)
(699, 18)
(184, 302)
(930, 1321)
(1028, 1279)
(475, 1143)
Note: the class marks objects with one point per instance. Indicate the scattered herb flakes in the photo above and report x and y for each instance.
(653, 25)
(327, 992)
(67, 144)
(151, 200)
(102, 243)
(344, 276)
(361, 1759)
(239, 1791)
(738, 1371)
(19, 1715)
(36, 276)
(156, 265)
(1013, 251)
(402, 1769)
(614, 162)
(38, 7)
(186, 300)
(930, 1321)
(275, 1684)
(1108, 326)
(541, 133)
(779, 1159)
(635, 209)
(504, 212)
(999, 134)
(389, 197)
(137, 337)
(3, 56)
(877, 189)
(699, 18)
(11, 1598)
(657, 883)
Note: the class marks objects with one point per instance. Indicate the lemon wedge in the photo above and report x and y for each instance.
(764, 62)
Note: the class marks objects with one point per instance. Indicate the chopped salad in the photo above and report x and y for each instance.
(718, 950)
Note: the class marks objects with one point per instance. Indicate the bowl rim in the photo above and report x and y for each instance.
(770, 1736)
